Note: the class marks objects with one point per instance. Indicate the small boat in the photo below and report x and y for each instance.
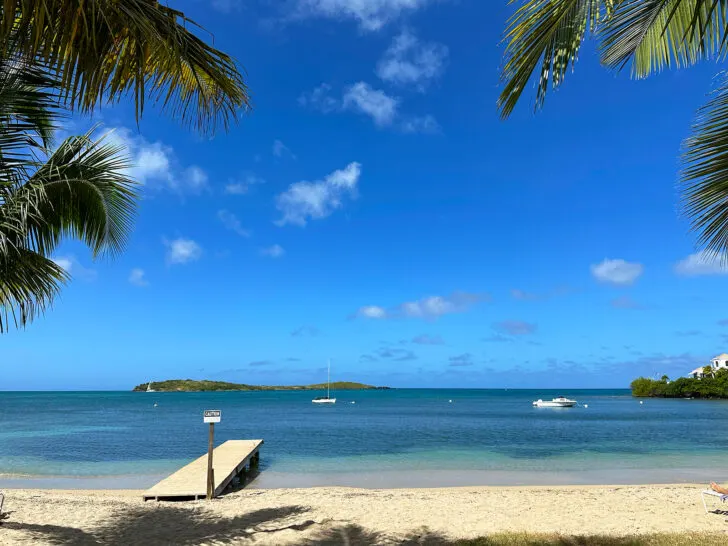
(558, 402)
(149, 387)
(326, 399)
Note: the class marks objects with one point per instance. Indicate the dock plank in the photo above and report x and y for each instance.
(229, 459)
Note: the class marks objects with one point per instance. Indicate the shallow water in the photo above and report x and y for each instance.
(482, 436)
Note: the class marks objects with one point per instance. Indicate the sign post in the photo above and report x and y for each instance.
(211, 417)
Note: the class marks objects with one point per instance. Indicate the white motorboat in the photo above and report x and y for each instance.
(558, 402)
(326, 399)
(149, 387)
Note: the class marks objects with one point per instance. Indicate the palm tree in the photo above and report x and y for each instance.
(544, 38)
(77, 189)
(103, 50)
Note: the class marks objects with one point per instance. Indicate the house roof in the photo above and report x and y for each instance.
(697, 370)
(723, 356)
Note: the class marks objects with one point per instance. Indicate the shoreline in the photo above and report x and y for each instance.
(395, 480)
(362, 516)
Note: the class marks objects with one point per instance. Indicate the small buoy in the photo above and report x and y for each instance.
(450, 401)
(353, 402)
(155, 404)
(641, 402)
(586, 406)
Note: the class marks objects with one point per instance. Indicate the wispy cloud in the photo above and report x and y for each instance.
(371, 15)
(305, 331)
(395, 354)
(274, 251)
(409, 61)
(522, 295)
(304, 201)
(426, 339)
(156, 165)
(281, 150)
(515, 327)
(688, 333)
(702, 263)
(182, 251)
(74, 268)
(498, 338)
(138, 277)
(362, 98)
(242, 186)
(258, 363)
(376, 104)
(430, 307)
(617, 272)
(231, 222)
(461, 360)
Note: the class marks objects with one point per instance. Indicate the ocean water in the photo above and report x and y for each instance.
(377, 438)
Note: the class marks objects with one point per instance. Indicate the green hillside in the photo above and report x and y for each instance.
(194, 385)
(715, 386)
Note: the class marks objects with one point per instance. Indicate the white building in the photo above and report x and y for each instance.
(719, 362)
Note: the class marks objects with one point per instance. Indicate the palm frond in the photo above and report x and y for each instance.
(29, 283)
(28, 115)
(81, 191)
(654, 34)
(546, 34)
(107, 49)
(704, 177)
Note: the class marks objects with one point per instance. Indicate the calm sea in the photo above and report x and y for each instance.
(376, 438)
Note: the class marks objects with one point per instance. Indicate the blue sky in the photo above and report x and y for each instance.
(374, 209)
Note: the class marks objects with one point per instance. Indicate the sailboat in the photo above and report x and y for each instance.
(149, 387)
(326, 399)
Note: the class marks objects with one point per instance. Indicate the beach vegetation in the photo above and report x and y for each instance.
(59, 56)
(714, 385)
(543, 40)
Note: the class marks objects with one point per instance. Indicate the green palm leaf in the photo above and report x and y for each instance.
(29, 282)
(705, 173)
(107, 49)
(655, 34)
(546, 34)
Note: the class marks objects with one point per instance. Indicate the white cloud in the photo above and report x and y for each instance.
(241, 187)
(376, 104)
(64, 263)
(281, 150)
(619, 272)
(702, 263)
(430, 307)
(370, 14)
(73, 267)
(138, 277)
(408, 61)
(195, 179)
(182, 251)
(155, 164)
(320, 99)
(275, 251)
(305, 201)
(363, 99)
(231, 222)
(372, 312)
(420, 124)
(225, 6)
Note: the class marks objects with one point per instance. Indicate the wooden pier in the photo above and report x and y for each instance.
(190, 482)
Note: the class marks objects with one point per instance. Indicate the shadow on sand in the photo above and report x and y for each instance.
(166, 524)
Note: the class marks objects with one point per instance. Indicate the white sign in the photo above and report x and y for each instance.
(212, 416)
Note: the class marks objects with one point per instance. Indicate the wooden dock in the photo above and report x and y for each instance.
(190, 482)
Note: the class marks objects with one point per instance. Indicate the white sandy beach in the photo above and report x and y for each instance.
(353, 516)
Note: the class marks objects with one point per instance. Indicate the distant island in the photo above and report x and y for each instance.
(711, 385)
(193, 385)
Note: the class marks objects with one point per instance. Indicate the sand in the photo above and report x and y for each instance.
(353, 516)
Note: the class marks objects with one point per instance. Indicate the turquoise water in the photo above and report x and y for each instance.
(399, 431)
